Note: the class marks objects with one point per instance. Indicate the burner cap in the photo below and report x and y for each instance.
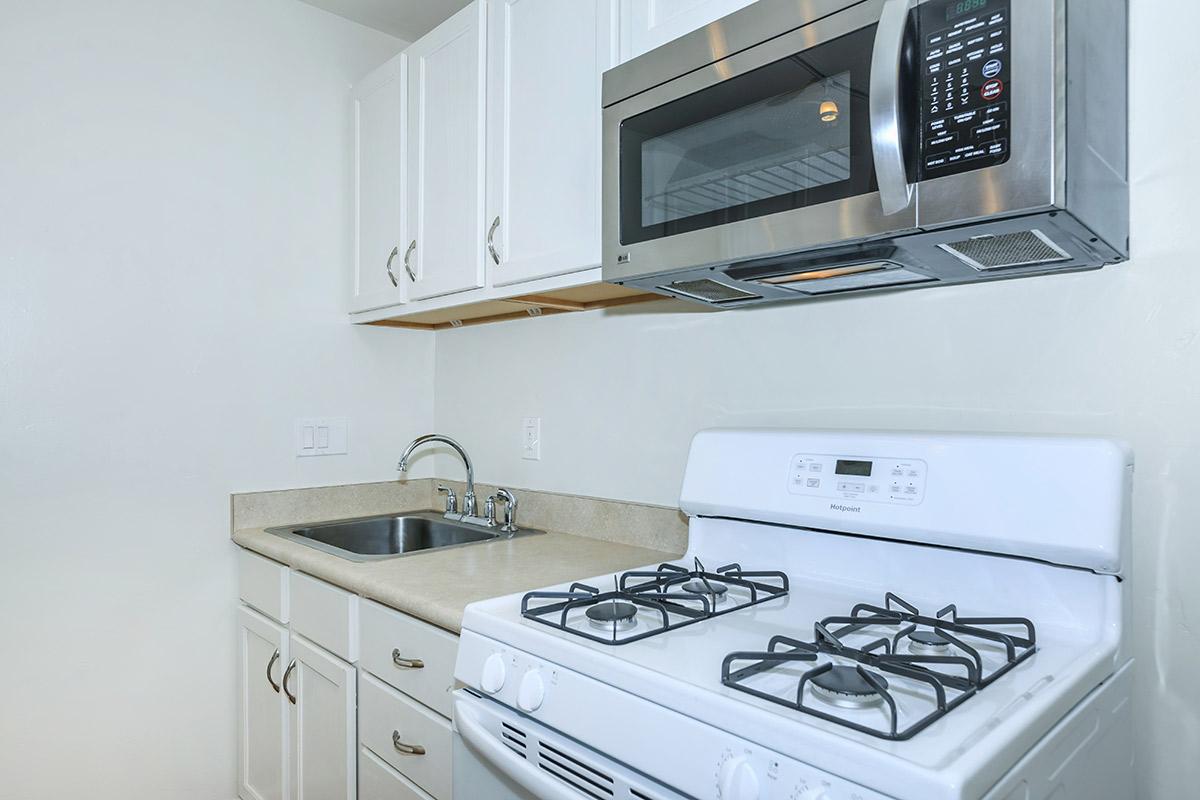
(843, 686)
(714, 590)
(928, 642)
(609, 613)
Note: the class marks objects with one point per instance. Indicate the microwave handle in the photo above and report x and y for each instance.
(895, 192)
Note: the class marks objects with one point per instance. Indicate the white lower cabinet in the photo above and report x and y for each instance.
(263, 712)
(314, 726)
(324, 724)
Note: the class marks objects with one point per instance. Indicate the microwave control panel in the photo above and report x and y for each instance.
(899, 481)
(964, 48)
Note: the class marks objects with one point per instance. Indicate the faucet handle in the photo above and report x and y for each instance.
(510, 509)
(489, 511)
(451, 499)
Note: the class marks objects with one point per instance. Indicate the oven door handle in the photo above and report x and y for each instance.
(517, 769)
(895, 192)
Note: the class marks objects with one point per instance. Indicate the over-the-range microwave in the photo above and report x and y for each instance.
(803, 148)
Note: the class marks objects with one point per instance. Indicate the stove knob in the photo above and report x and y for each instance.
(492, 679)
(531, 692)
(738, 780)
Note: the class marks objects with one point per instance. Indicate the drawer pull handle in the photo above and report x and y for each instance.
(406, 663)
(406, 749)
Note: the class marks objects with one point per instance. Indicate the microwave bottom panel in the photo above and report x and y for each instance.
(999, 249)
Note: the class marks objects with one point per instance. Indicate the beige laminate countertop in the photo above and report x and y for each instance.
(437, 586)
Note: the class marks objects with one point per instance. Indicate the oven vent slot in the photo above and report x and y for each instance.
(514, 738)
(1002, 251)
(709, 291)
(570, 770)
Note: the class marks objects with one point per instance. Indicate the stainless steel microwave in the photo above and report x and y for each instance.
(804, 148)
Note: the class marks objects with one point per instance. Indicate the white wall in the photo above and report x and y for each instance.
(175, 208)
(1115, 353)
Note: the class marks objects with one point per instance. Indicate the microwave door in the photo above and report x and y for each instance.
(768, 151)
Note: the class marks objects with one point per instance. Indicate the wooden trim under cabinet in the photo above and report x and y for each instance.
(562, 301)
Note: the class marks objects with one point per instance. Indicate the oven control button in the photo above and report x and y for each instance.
(492, 679)
(738, 781)
(531, 692)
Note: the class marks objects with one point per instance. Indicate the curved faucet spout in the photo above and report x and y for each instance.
(429, 438)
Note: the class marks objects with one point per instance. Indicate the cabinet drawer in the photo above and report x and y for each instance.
(263, 584)
(324, 614)
(394, 643)
(378, 781)
(386, 717)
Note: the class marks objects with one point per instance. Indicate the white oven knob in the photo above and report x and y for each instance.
(492, 679)
(738, 780)
(531, 692)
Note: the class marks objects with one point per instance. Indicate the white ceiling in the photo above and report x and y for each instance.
(407, 19)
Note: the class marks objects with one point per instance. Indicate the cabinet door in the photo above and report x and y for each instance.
(379, 238)
(645, 24)
(324, 724)
(545, 60)
(445, 155)
(262, 708)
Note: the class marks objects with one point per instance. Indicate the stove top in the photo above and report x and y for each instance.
(648, 603)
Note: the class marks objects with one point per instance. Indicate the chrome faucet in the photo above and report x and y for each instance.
(468, 504)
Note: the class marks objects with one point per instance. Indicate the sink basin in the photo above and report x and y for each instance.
(392, 536)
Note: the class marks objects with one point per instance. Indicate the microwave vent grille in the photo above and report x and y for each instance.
(709, 290)
(1002, 251)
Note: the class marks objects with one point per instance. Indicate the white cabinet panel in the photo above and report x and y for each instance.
(324, 614)
(378, 781)
(445, 155)
(262, 709)
(263, 584)
(411, 738)
(324, 724)
(379, 115)
(413, 656)
(645, 24)
(545, 61)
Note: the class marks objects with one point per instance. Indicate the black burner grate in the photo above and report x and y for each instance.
(960, 669)
(664, 605)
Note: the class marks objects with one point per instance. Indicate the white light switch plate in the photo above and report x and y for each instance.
(531, 438)
(322, 436)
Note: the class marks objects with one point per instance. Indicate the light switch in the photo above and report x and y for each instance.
(323, 436)
(531, 438)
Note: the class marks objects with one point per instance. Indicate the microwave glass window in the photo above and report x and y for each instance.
(787, 143)
(792, 133)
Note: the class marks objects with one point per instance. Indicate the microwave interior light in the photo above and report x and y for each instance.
(829, 111)
(819, 274)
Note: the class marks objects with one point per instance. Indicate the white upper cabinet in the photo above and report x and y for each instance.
(445, 156)
(645, 24)
(379, 110)
(545, 61)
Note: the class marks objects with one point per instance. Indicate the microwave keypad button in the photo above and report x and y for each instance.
(815, 467)
(949, 138)
(814, 483)
(992, 89)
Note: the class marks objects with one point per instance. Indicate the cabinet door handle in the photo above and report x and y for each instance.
(406, 663)
(412, 276)
(392, 275)
(291, 697)
(271, 663)
(491, 239)
(406, 749)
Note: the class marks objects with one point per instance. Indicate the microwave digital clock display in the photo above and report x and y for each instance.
(958, 9)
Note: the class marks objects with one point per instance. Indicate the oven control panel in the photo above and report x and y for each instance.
(898, 481)
(964, 53)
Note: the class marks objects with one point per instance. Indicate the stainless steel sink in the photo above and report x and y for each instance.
(392, 536)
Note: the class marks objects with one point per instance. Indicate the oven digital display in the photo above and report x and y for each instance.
(861, 469)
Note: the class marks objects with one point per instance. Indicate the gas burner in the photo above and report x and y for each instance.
(653, 601)
(944, 666)
(612, 615)
(711, 589)
(848, 687)
(928, 643)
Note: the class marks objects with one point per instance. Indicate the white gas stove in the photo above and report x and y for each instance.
(859, 616)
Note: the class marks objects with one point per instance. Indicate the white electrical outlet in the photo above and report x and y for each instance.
(322, 436)
(531, 438)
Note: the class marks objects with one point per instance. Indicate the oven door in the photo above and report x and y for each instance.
(502, 755)
(779, 148)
